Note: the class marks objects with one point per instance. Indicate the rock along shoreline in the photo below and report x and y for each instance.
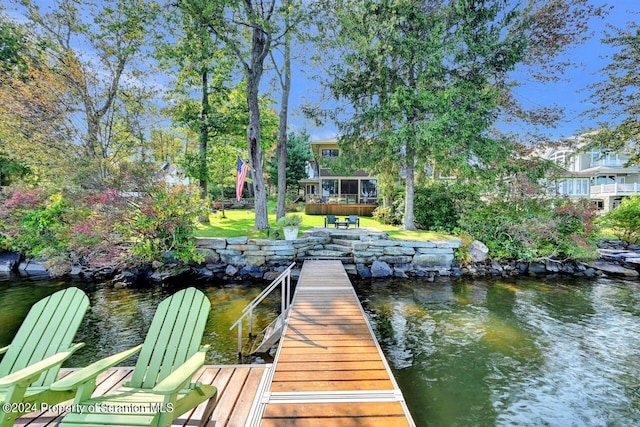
(365, 254)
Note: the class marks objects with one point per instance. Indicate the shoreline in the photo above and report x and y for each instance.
(364, 253)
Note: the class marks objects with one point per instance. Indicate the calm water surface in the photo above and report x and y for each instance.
(465, 353)
(120, 318)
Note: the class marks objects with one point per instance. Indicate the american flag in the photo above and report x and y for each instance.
(241, 175)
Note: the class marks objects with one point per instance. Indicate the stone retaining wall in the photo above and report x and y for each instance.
(367, 253)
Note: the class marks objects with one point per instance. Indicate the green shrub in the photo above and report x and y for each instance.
(165, 221)
(625, 220)
(437, 205)
(522, 224)
(383, 215)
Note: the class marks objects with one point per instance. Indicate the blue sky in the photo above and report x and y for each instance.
(568, 93)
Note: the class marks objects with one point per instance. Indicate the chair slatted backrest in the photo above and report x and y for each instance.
(331, 219)
(174, 336)
(49, 328)
(353, 219)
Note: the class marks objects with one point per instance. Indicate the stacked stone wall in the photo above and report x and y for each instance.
(365, 253)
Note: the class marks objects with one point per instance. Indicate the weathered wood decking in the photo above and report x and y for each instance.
(329, 369)
(237, 387)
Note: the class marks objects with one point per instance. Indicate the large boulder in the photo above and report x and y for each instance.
(478, 251)
(363, 271)
(381, 269)
(614, 269)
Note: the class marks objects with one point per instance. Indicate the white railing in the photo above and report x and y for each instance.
(608, 162)
(284, 281)
(615, 188)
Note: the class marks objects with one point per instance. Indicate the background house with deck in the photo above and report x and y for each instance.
(328, 192)
(598, 175)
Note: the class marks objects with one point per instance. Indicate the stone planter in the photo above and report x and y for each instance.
(290, 233)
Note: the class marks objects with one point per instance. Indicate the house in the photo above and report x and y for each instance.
(597, 175)
(172, 175)
(327, 192)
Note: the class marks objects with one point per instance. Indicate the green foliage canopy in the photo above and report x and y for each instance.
(616, 96)
(298, 154)
(422, 82)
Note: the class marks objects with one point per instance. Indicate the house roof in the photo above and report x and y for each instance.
(333, 140)
(599, 170)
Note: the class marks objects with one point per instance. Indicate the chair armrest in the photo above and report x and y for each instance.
(176, 381)
(91, 371)
(4, 349)
(29, 374)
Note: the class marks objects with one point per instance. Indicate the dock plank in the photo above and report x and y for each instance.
(329, 368)
(237, 389)
(243, 405)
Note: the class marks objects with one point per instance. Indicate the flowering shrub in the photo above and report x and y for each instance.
(96, 237)
(99, 229)
(165, 221)
(524, 225)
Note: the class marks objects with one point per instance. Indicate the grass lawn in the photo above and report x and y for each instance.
(240, 223)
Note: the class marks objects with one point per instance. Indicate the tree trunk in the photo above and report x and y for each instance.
(254, 74)
(204, 136)
(282, 130)
(408, 221)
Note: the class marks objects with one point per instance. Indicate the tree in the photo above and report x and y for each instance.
(226, 124)
(165, 146)
(13, 47)
(249, 30)
(284, 76)
(297, 156)
(422, 83)
(32, 126)
(616, 97)
(98, 81)
(201, 64)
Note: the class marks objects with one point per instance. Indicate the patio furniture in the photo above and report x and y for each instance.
(330, 220)
(32, 361)
(160, 389)
(354, 220)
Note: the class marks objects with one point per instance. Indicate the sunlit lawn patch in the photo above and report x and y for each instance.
(240, 223)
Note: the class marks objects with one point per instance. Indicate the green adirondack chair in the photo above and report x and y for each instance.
(32, 361)
(160, 389)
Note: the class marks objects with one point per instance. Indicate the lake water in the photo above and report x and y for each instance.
(464, 353)
(512, 353)
(119, 318)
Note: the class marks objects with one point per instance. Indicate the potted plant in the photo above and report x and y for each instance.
(290, 225)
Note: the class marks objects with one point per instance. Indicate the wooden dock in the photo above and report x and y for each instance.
(237, 388)
(329, 369)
